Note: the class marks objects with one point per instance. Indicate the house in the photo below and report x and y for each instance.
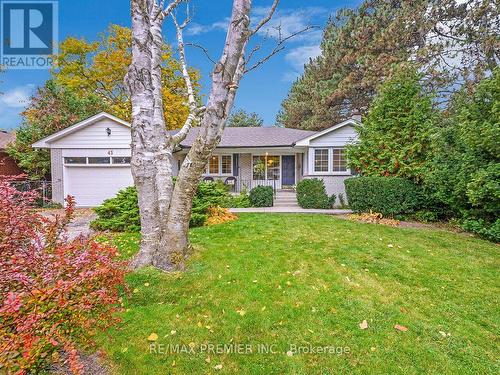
(91, 160)
(8, 166)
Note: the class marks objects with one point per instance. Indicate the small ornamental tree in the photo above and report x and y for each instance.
(55, 294)
(396, 135)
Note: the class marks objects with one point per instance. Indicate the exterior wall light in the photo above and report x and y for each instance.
(108, 131)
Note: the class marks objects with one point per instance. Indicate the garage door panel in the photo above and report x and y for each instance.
(91, 186)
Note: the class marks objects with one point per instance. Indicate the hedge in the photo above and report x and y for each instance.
(389, 196)
(311, 193)
(261, 196)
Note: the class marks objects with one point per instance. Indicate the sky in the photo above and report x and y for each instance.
(261, 90)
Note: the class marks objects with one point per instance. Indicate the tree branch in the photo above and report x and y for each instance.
(280, 46)
(205, 51)
(194, 110)
(168, 10)
(266, 19)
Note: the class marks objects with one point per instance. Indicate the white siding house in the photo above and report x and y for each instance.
(91, 160)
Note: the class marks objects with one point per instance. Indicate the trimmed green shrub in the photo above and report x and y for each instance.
(241, 200)
(261, 196)
(483, 229)
(389, 196)
(121, 213)
(311, 193)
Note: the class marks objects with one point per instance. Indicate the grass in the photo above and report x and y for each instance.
(309, 280)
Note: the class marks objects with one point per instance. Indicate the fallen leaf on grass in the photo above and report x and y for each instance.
(153, 337)
(401, 328)
(241, 312)
(218, 367)
(363, 324)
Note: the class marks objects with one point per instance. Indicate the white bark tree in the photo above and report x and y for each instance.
(165, 209)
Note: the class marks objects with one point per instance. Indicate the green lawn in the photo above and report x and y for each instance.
(307, 280)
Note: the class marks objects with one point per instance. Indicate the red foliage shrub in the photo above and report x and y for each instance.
(55, 294)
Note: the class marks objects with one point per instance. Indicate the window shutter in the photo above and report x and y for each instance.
(236, 164)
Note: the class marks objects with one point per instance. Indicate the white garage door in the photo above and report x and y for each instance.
(92, 185)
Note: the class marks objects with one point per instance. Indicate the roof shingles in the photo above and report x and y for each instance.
(254, 137)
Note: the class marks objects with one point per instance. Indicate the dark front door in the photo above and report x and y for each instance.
(288, 169)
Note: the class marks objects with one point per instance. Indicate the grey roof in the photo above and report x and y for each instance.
(254, 137)
(6, 138)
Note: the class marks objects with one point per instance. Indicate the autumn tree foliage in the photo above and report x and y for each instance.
(452, 42)
(98, 68)
(52, 108)
(88, 79)
(395, 139)
(55, 294)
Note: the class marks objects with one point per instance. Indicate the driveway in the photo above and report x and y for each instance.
(80, 225)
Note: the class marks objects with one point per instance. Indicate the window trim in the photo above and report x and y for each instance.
(265, 163)
(330, 172)
(219, 156)
(345, 159)
(328, 159)
(75, 157)
(94, 165)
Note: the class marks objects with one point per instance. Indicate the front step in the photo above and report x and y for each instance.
(286, 198)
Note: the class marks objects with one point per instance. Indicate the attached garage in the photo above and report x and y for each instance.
(91, 185)
(90, 160)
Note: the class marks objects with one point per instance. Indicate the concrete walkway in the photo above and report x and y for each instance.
(290, 210)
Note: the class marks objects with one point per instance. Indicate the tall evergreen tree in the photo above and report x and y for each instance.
(396, 135)
(451, 42)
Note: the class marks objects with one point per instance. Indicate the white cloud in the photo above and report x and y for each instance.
(284, 23)
(299, 56)
(287, 22)
(17, 97)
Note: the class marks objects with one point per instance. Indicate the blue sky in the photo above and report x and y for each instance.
(261, 91)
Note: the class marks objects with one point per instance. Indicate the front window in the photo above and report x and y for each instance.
(321, 160)
(213, 165)
(259, 167)
(226, 164)
(339, 160)
(266, 167)
(273, 167)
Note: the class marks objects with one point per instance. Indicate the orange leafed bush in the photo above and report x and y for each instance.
(219, 215)
(55, 294)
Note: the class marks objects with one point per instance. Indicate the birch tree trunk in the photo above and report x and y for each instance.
(165, 210)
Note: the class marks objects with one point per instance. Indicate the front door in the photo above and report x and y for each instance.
(288, 170)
